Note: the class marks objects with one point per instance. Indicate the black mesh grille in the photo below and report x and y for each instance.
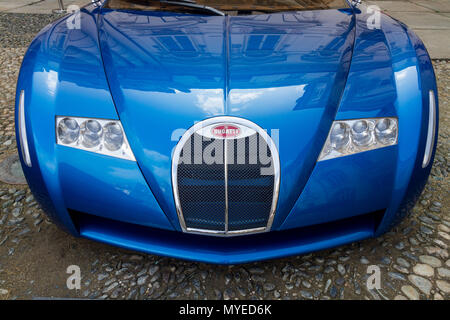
(201, 186)
(250, 190)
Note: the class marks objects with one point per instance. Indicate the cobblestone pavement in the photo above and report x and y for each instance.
(34, 254)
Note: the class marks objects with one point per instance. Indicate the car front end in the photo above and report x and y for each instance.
(226, 139)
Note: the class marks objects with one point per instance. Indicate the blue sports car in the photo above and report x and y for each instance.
(226, 131)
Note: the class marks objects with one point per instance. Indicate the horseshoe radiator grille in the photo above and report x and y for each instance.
(225, 185)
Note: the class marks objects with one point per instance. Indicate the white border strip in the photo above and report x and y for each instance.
(431, 130)
(23, 131)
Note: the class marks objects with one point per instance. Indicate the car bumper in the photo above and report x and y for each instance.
(219, 250)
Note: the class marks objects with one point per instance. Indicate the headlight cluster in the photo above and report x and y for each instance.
(353, 136)
(96, 135)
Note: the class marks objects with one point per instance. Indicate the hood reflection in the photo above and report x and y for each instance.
(171, 53)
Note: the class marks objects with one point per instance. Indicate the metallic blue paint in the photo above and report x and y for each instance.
(158, 72)
(227, 250)
(218, 72)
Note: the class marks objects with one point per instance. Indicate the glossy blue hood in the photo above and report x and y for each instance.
(286, 72)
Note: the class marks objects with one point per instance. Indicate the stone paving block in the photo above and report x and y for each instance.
(436, 43)
(435, 5)
(44, 7)
(423, 20)
(398, 6)
(8, 5)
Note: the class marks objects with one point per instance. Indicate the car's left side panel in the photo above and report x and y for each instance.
(62, 74)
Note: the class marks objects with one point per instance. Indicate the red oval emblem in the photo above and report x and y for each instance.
(225, 131)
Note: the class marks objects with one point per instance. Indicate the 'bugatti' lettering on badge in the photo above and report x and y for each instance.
(226, 131)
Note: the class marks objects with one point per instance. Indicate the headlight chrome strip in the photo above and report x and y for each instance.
(431, 129)
(23, 131)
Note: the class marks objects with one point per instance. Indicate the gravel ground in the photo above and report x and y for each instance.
(34, 254)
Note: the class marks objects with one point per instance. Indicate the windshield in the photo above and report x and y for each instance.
(230, 7)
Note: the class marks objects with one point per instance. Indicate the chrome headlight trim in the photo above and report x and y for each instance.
(23, 131)
(124, 152)
(329, 152)
(431, 134)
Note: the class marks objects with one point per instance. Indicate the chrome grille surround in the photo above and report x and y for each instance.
(247, 128)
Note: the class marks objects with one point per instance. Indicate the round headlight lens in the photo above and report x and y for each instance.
(361, 133)
(68, 131)
(91, 131)
(113, 136)
(339, 136)
(386, 131)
